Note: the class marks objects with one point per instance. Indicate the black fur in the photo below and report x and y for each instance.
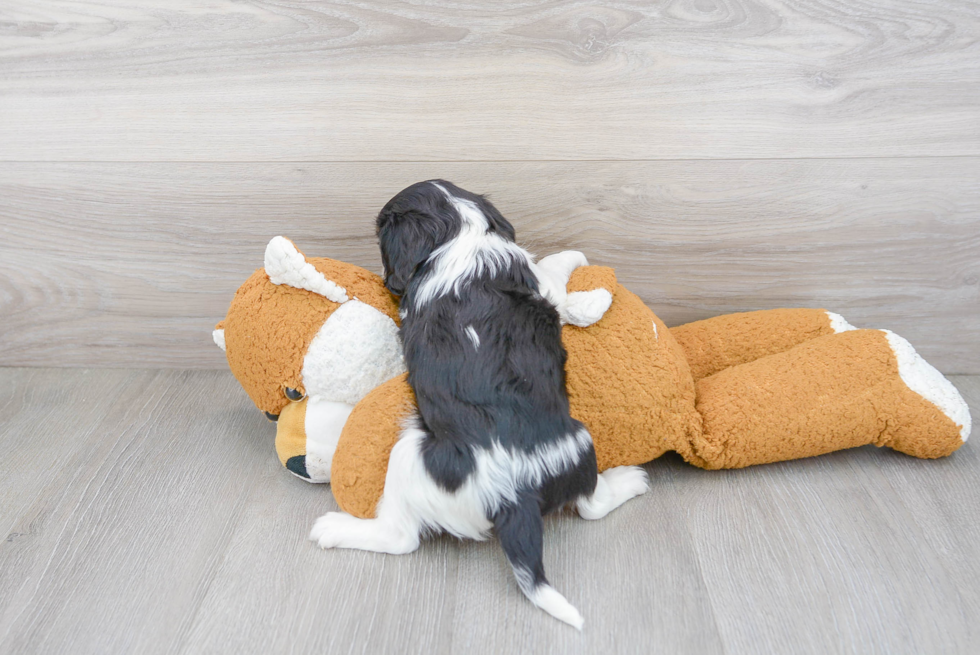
(511, 389)
(420, 219)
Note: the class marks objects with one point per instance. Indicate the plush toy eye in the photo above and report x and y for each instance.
(294, 394)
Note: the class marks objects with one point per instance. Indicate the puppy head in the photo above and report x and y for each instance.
(421, 218)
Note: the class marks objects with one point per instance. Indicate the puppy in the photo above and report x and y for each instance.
(493, 446)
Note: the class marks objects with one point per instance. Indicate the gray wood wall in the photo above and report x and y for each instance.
(723, 155)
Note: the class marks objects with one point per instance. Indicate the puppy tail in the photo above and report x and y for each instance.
(520, 530)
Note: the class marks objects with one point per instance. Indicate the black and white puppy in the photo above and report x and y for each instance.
(493, 446)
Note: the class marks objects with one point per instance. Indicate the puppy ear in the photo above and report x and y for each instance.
(407, 239)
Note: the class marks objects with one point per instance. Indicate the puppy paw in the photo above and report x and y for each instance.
(328, 529)
(626, 482)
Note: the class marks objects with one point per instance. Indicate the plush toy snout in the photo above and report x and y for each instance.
(291, 438)
(307, 434)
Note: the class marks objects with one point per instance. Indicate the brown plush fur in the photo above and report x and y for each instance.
(361, 461)
(718, 343)
(725, 392)
(627, 382)
(771, 386)
(833, 392)
(269, 327)
(291, 431)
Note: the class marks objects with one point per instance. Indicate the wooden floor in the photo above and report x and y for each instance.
(145, 512)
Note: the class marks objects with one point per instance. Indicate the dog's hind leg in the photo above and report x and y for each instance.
(398, 526)
(520, 529)
(613, 488)
(339, 530)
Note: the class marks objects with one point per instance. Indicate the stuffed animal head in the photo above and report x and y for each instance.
(310, 327)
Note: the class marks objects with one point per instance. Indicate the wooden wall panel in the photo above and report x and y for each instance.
(369, 80)
(114, 264)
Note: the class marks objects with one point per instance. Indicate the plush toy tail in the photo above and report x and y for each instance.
(838, 391)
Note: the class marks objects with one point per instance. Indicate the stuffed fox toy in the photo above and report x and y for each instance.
(314, 342)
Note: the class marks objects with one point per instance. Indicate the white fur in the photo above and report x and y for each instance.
(613, 488)
(284, 264)
(580, 308)
(547, 598)
(655, 334)
(325, 421)
(474, 337)
(838, 324)
(413, 501)
(501, 472)
(470, 253)
(562, 264)
(219, 338)
(552, 273)
(355, 350)
(552, 602)
(583, 308)
(920, 376)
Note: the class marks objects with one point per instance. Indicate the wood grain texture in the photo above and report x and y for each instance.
(829, 535)
(178, 531)
(135, 528)
(369, 80)
(133, 264)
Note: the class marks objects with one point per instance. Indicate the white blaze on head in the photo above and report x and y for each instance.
(284, 264)
(219, 338)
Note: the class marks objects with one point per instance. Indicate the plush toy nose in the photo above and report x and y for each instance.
(272, 417)
(297, 465)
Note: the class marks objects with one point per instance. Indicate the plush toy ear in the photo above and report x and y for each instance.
(285, 264)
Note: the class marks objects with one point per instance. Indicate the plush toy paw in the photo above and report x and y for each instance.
(922, 378)
(583, 308)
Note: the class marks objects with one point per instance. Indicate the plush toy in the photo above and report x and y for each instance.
(314, 342)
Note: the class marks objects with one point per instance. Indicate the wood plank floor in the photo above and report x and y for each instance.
(144, 511)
